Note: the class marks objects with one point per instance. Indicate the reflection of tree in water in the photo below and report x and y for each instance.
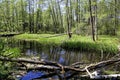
(53, 53)
(59, 55)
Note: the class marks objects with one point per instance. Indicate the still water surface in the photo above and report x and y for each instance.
(56, 53)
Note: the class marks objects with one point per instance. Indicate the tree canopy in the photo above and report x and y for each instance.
(83, 17)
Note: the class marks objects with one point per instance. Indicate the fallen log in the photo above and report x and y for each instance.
(58, 68)
(89, 67)
(102, 64)
(101, 77)
(21, 60)
(9, 34)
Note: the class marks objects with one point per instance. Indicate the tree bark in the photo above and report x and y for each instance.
(57, 66)
(115, 17)
(92, 21)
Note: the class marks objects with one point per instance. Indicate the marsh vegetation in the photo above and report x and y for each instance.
(64, 31)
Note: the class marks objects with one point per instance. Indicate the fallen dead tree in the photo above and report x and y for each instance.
(9, 34)
(57, 69)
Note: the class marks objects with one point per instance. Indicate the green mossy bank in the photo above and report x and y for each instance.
(105, 44)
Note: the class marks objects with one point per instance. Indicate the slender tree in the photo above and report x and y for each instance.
(115, 17)
(92, 20)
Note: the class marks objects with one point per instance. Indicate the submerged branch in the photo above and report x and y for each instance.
(58, 68)
(21, 60)
(90, 67)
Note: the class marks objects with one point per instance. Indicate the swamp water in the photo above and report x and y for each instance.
(57, 54)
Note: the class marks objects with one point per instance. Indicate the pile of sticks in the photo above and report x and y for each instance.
(54, 68)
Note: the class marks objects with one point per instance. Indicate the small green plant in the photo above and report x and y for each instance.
(11, 52)
(6, 67)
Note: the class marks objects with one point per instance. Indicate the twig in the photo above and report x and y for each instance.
(58, 68)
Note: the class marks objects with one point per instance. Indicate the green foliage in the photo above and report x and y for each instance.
(11, 52)
(105, 44)
(6, 67)
(90, 46)
(48, 16)
(6, 51)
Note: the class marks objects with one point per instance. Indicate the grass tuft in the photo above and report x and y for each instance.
(105, 44)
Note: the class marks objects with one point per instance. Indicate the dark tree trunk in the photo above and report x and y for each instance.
(92, 21)
(30, 20)
(115, 16)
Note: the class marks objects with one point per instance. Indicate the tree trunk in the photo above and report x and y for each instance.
(115, 16)
(30, 20)
(92, 21)
(68, 19)
(95, 19)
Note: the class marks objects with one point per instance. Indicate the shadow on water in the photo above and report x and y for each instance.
(55, 53)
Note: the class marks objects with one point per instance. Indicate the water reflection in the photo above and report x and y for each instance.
(52, 53)
(57, 54)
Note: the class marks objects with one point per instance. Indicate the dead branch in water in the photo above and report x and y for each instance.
(58, 68)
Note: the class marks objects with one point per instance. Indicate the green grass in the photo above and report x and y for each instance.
(105, 44)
